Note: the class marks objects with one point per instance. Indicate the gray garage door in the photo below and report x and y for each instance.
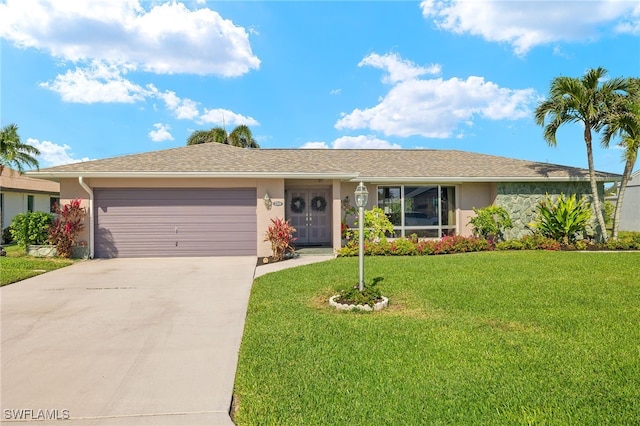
(175, 222)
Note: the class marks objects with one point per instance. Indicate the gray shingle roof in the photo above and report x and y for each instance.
(372, 165)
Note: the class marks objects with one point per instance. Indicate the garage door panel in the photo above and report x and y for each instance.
(175, 222)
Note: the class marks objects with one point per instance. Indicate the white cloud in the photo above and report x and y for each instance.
(397, 68)
(52, 154)
(97, 83)
(225, 117)
(183, 108)
(168, 38)
(435, 108)
(353, 142)
(315, 145)
(526, 24)
(335, 91)
(161, 133)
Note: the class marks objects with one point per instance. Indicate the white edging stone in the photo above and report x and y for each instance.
(343, 306)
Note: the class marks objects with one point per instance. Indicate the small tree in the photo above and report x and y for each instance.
(280, 234)
(65, 229)
(490, 222)
(564, 220)
(377, 226)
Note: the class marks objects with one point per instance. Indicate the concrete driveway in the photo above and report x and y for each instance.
(125, 342)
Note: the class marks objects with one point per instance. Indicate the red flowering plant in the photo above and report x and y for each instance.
(66, 227)
(280, 234)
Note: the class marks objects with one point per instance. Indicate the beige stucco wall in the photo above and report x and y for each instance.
(470, 195)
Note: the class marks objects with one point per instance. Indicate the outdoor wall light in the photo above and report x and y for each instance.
(267, 201)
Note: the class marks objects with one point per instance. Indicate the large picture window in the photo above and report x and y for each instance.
(428, 211)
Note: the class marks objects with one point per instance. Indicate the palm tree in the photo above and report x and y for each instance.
(240, 136)
(624, 122)
(14, 153)
(586, 100)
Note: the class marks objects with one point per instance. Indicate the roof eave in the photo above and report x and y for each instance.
(463, 179)
(192, 175)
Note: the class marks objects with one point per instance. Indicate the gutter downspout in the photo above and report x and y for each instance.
(91, 224)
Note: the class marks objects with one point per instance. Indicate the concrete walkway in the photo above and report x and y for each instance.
(124, 342)
(291, 263)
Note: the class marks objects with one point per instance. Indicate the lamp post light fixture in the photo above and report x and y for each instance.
(362, 196)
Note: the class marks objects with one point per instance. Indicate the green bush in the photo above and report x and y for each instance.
(490, 222)
(376, 226)
(31, 228)
(564, 220)
(411, 247)
(629, 236)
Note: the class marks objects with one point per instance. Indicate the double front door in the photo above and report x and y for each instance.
(309, 211)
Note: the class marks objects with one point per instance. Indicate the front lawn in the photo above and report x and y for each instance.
(17, 266)
(491, 338)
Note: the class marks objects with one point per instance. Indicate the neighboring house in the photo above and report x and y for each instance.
(630, 213)
(218, 200)
(20, 194)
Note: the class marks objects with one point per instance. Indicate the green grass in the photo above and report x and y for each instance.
(17, 266)
(494, 338)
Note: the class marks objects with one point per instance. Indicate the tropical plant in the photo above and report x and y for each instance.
(280, 234)
(14, 153)
(65, 229)
(30, 228)
(623, 121)
(563, 220)
(240, 136)
(586, 100)
(490, 222)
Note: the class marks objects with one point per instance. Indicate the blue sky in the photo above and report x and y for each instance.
(97, 79)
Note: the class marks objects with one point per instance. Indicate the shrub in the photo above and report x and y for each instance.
(376, 226)
(64, 231)
(280, 234)
(403, 247)
(411, 247)
(490, 222)
(629, 236)
(530, 242)
(564, 220)
(31, 228)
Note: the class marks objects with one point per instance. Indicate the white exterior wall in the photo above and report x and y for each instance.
(15, 203)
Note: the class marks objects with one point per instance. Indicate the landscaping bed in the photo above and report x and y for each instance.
(18, 266)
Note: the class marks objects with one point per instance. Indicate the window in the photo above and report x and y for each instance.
(53, 202)
(427, 211)
(30, 203)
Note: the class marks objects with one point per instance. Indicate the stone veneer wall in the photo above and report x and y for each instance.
(521, 198)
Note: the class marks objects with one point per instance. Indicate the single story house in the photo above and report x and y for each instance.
(21, 194)
(217, 200)
(630, 213)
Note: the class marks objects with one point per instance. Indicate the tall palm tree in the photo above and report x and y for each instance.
(624, 122)
(14, 153)
(240, 136)
(586, 100)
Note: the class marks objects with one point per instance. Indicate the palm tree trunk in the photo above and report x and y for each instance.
(628, 168)
(601, 235)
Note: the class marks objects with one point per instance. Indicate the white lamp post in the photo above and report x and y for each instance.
(362, 195)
